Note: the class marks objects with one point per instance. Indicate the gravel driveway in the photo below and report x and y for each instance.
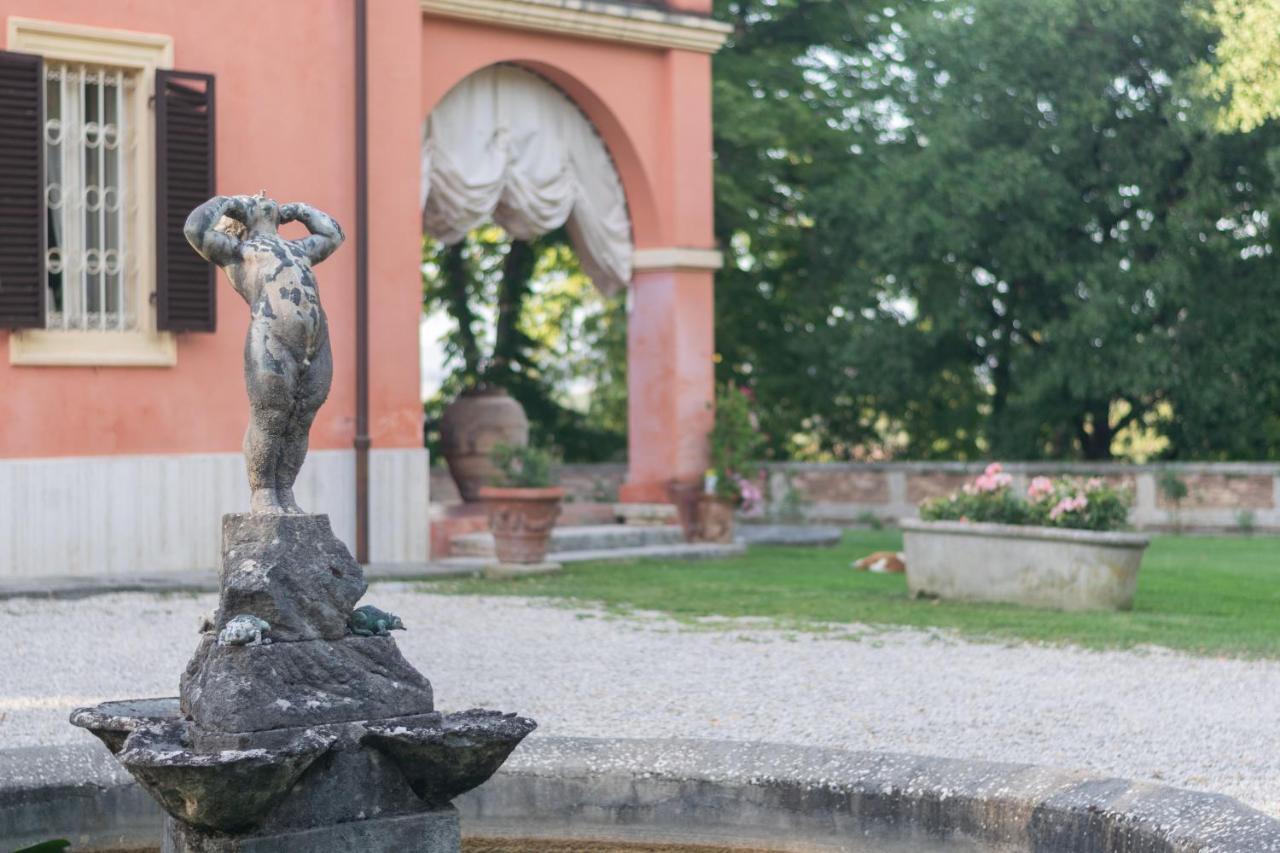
(1205, 723)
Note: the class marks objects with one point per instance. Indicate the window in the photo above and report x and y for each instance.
(89, 143)
(99, 159)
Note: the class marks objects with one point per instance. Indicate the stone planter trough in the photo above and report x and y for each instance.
(1047, 567)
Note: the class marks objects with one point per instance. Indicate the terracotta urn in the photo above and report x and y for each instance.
(715, 519)
(521, 520)
(470, 427)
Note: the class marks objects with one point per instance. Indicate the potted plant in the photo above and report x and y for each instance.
(523, 503)
(733, 443)
(1058, 545)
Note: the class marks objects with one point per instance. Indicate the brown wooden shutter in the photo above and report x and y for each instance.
(22, 202)
(186, 287)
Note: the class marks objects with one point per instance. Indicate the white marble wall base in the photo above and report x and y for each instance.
(136, 515)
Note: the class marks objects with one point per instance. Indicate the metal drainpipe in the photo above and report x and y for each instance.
(362, 286)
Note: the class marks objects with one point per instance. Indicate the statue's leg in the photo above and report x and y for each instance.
(271, 378)
(312, 389)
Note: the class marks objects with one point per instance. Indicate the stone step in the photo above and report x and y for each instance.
(596, 537)
(682, 551)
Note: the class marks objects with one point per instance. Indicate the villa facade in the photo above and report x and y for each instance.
(122, 407)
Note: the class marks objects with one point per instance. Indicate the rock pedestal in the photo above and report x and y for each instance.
(319, 741)
(291, 571)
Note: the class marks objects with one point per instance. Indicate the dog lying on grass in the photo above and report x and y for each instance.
(888, 562)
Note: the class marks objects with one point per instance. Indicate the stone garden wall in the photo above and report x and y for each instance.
(1233, 496)
(1239, 496)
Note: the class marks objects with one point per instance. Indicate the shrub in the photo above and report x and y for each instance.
(1065, 502)
(734, 442)
(529, 467)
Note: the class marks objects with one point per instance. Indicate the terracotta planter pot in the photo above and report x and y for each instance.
(470, 427)
(521, 521)
(715, 520)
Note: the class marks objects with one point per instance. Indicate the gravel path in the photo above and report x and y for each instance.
(1204, 723)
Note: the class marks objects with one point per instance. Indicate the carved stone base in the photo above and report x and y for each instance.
(291, 571)
(435, 831)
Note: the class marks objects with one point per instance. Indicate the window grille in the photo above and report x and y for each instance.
(88, 149)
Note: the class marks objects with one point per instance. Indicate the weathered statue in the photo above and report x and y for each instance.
(299, 725)
(288, 365)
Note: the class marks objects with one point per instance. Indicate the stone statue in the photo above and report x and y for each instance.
(288, 365)
(321, 736)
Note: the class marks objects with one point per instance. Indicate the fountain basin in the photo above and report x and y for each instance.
(760, 796)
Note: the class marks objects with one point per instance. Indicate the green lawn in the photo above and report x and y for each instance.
(1207, 595)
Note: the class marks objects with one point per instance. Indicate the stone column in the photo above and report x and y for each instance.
(670, 370)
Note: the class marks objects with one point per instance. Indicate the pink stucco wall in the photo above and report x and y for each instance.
(285, 123)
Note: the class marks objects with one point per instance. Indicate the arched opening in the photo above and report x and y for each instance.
(656, 135)
(527, 258)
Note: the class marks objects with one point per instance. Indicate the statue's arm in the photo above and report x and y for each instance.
(215, 246)
(326, 233)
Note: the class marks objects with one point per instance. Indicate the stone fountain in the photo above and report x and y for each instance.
(299, 725)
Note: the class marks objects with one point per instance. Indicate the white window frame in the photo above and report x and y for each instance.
(142, 53)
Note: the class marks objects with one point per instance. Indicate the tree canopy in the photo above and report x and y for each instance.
(999, 227)
(1243, 76)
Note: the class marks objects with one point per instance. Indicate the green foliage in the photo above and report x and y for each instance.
(1243, 77)
(793, 505)
(1070, 502)
(734, 444)
(1091, 504)
(1172, 486)
(1204, 595)
(46, 847)
(992, 227)
(526, 318)
(528, 467)
(788, 302)
(999, 507)
(867, 518)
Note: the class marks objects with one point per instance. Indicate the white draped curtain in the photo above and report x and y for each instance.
(508, 147)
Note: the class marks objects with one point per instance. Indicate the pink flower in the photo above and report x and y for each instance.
(752, 496)
(1094, 484)
(992, 479)
(1041, 487)
(1066, 505)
